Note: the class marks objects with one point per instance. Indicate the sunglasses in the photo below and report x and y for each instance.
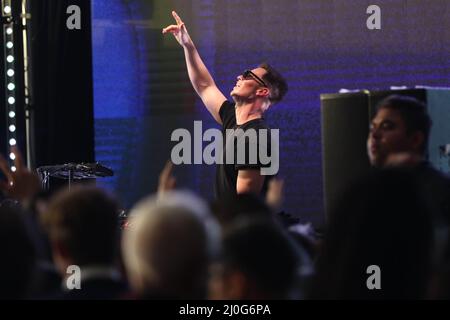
(248, 74)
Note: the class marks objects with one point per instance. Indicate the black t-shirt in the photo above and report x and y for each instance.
(226, 174)
(435, 187)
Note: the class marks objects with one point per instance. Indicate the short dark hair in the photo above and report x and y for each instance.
(277, 84)
(413, 112)
(264, 253)
(85, 221)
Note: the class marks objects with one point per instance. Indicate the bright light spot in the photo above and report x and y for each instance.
(11, 100)
(9, 45)
(12, 156)
(10, 72)
(12, 114)
(7, 9)
(11, 86)
(13, 169)
(12, 128)
(12, 142)
(10, 58)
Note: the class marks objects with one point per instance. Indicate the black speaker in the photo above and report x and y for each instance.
(345, 120)
(345, 127)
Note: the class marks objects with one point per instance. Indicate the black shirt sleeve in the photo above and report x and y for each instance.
(227, 115)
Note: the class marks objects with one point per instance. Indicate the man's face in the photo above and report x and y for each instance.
(388, 136)
(246, 87)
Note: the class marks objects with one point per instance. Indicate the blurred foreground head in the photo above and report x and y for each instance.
(258, 261)
(168, 245)
(82, 226)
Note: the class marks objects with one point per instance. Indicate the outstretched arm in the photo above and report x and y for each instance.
(274, 195)
(167, 181)
(199, 75)
(249, 181)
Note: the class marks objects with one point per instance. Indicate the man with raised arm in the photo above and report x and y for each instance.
(255, 91)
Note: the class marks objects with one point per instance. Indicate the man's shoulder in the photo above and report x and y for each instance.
(228, 103)
(226, 107)
(432, 174)
(227, 114)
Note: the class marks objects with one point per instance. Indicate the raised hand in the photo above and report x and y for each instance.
(178, 30)
(275, 195)
(166, 180)
(22, 184)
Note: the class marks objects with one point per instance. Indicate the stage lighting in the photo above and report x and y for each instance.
(9, 76)
(6, 8)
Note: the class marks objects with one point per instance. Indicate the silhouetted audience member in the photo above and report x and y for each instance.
(22, 188)
(17, 254)
(258, 261)
(47, 279)
(381, 221)
(168, 245)
(399, 137)
(83, 229)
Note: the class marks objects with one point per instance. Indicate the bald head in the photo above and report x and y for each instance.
(168, 245)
